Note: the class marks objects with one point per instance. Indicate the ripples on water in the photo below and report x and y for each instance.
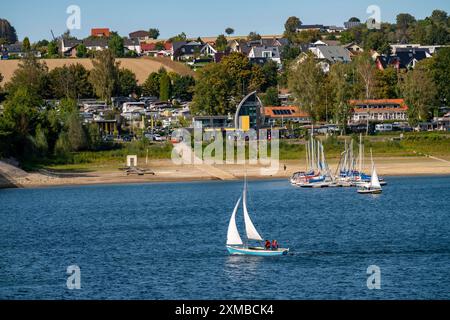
(166, 241)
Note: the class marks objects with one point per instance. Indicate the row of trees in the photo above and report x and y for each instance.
(326, 95)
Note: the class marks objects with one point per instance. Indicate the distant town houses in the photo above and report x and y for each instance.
(16, 50)
(405, 56)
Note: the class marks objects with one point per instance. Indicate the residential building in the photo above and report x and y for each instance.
(153, 49)
(285, 113)
(353, 48)
(379, 110)
(267, 53)
(312, 27)
(100, 32)
(9, 51)
(184, 51)
(96, 44)
(68, 47)
(132, 45)
(352, 24)
(140, 35)
(208, 50)
(404, 58)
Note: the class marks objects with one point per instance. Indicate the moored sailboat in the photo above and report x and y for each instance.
(374, 186)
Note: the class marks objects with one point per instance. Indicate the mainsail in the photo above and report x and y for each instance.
(375, 182)
(233, 234)
(252, 233)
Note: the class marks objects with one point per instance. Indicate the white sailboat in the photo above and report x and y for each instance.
(236, 246)
(374, 186)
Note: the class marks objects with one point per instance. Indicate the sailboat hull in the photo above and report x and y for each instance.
(369, 191)
(256, 251)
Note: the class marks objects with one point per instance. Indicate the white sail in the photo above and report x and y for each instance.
(375, 182)
(252, 233)
(233, 234)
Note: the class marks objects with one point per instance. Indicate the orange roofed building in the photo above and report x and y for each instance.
(379, 110)
(100, 32)
(285, 113)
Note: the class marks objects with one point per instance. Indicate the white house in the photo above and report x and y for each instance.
(208, 50)
(272, 53)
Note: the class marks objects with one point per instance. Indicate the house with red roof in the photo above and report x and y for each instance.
(380, 110)
(100, 32)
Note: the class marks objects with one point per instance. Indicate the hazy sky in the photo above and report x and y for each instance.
(197, 17)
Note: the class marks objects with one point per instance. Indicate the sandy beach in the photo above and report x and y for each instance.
(166, 171)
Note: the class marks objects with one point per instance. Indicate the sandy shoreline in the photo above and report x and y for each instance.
(166, 171)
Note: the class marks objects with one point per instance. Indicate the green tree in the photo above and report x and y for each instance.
(270, 75)
(253, 36)
(386, 82)
(26, 45)
(340, 89)
(164, 88)
(229, 31)
(440, 69)
(115, 44)
(81, 51)
(180, 37)
(30, 74)
(221, 43)
(270, 98)
(127, 83)
(306, 37)
(365, 69)
(153, 33)
(52, 49)
(104, 75)
(212, 91)
(75, 131)
(19, 121)
(354, 19)
(239, 73)
(292, 24)
(7, 32)
(71, 82)
(151, 85)
(404, 22)
(419, 92)
(305, 81)
(41, 142)
(183, 87)
(290, 28)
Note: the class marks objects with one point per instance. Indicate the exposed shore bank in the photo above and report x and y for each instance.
(166, 171)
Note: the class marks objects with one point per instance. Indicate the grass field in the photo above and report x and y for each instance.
(413, 145)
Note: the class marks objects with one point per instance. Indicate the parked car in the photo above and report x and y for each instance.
(384, 128)
(127, 138)
(153, 137)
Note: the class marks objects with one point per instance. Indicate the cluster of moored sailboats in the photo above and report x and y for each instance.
(317, 175)
(349, 173)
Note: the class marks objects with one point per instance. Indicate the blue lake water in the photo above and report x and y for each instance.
(167, 241)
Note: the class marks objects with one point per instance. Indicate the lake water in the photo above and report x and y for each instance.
(167, 241)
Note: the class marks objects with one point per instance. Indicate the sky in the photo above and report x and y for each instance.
(196, 18)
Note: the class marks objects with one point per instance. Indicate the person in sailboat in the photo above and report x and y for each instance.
(274, 245)
(267, 245)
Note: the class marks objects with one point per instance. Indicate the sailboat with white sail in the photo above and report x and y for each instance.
(374, 186)
(236, 246)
